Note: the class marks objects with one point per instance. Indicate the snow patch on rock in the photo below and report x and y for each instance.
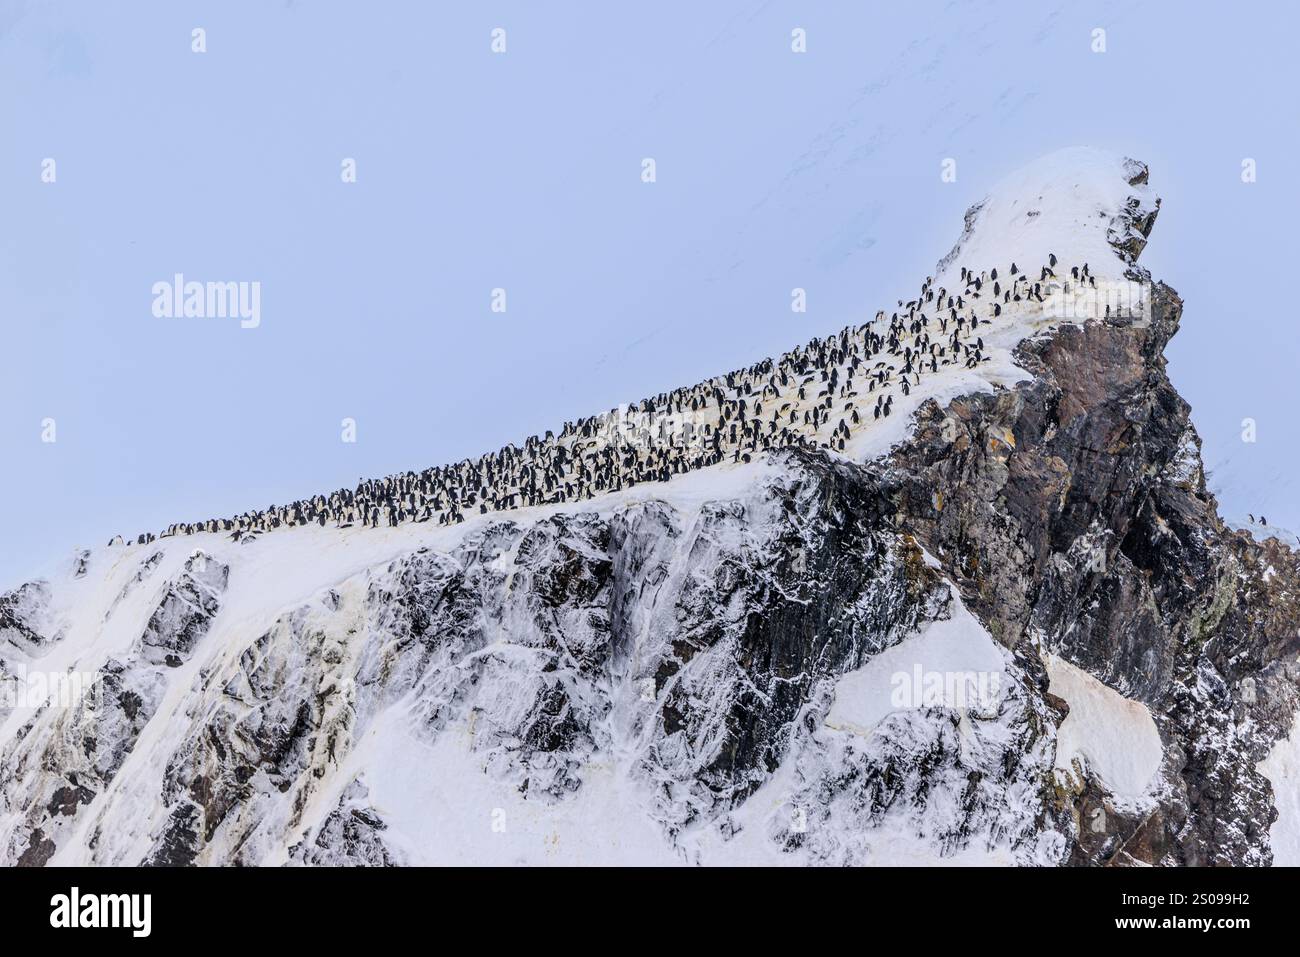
(952, 662)
(1105, 733)
(1282, 768)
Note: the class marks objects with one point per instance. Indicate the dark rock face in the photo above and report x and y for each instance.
(979, 780)
(1104, 547)
(178, 845)
(351, 836)
(756, 604)
(767, 614)
(185, 612)
(22, 615)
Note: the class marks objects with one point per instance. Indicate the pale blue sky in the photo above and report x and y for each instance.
(522, 171)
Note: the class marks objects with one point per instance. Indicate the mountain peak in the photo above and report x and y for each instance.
(1081, 204)
(1003, 624)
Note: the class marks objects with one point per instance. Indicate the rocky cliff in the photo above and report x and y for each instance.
(1020, 634)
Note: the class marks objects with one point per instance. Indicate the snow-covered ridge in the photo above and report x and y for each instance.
(987, 646)
(1261, 531)
(1079, 212)
(1086, 205)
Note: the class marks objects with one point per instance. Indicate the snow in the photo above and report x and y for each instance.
(1112, 736)
(895, 842)
(1282, 768)
(1261, 532)
(867, 710)
(1064, 202)
(442, 809)
(955, 656)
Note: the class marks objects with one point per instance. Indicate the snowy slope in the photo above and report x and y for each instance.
(446, 798)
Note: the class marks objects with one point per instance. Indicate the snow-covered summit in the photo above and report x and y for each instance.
(1084, 205)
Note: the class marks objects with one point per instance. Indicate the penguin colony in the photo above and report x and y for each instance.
(820, 394)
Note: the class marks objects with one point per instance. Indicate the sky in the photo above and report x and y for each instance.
(522, 170)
